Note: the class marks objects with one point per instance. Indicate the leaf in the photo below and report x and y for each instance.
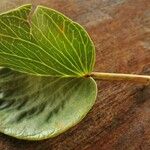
(36, 108)
(51, 46)
(47, 44)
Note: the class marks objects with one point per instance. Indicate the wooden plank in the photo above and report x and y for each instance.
(120, 118)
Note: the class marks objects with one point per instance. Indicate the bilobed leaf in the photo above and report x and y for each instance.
(47, 43)
(36, 108)
(36, 52)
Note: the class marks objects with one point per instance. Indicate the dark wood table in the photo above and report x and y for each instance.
(120, 118)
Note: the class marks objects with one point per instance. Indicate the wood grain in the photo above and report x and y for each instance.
(120, 118)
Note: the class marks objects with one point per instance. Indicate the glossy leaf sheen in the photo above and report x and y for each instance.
(36, 108)
(47, 44)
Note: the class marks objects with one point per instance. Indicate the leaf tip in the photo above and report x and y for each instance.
(27, 7)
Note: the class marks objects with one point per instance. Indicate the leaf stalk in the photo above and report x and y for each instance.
(144, 79)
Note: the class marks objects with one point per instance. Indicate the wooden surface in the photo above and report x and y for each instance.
(120, 118)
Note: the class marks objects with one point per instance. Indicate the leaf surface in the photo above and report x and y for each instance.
(36, 108)
(47, 43)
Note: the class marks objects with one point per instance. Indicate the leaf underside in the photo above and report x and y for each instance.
(46, 43)
(36, 108)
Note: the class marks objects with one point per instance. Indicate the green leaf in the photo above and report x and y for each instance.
(47, 46)
(36, 108)
(47, 43)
